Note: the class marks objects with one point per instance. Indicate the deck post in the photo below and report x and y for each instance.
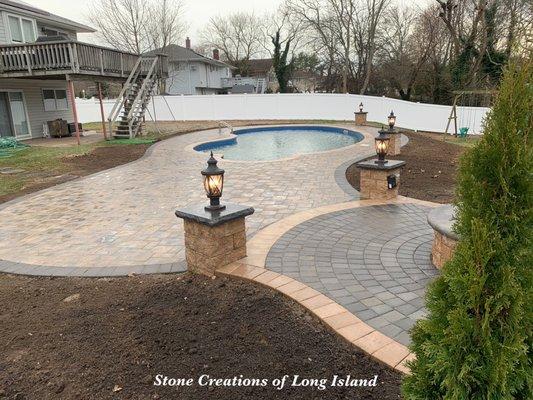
(72, 96)
(99, 85)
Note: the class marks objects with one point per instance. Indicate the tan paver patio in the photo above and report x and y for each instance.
(122, 220)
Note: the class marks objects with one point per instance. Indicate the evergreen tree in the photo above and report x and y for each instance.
(282, 68)
(476, 341)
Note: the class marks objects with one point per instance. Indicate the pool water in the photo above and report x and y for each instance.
(271, 143)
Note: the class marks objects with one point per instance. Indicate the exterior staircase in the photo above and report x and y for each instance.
(127, 115)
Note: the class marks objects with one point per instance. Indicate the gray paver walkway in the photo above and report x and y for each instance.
(122, 220)
(374, 261)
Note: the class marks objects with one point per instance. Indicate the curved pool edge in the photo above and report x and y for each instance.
(232, 137)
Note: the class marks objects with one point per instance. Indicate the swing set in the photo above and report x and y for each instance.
(466, 100)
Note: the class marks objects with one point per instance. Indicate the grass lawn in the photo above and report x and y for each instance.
(41, 166)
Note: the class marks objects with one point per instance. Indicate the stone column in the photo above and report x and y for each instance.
(395, 142)
(214, 239)
(360, 118)
(379, 181)
(445, 240)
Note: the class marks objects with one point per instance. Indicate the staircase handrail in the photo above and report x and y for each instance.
(142, 90)
(141, 96)
(121, 98)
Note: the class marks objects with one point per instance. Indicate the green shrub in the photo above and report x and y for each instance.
(476, 341)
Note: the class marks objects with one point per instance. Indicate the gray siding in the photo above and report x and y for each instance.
(3, 29)
(71, 34)
(40, 24)
(33, 97)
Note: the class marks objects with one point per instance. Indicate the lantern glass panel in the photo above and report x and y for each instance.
(392, 120)
(382, 146)
(213, 185)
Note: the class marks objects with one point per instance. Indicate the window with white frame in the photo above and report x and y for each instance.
(21, 30)
(55, 99)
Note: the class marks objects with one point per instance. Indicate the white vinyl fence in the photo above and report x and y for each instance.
(320, 106)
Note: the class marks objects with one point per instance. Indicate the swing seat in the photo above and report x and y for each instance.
(463, 132)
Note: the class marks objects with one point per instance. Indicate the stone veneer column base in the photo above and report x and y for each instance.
(441, 219)
(360, 118)
(214, 239)
(208, 248)
(395, 143)
(442, 249)
(374, 184)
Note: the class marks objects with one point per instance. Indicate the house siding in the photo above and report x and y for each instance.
(3, 29)
(70, 33)
(33, 97)
(40, 24)
(201, 80)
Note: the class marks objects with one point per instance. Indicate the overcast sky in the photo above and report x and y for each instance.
(197, 12)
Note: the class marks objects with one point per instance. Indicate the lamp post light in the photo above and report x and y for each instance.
(213, 184)
(382, 142)
(392, 120)
(361, 107)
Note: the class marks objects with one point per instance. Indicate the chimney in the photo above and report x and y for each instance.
(188, 43)
(216, 54)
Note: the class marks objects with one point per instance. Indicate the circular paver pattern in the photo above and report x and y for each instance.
(374, 261)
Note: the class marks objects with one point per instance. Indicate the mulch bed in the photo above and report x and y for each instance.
(112, 340)
(430, 172)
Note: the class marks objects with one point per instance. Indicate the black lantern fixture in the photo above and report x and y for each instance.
(392, 120)
(382, 142)
(361, 107)
(213, 184)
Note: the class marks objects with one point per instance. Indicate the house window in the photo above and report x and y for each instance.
(55, 99)
(22, 30)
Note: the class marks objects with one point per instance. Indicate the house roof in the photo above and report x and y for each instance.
(260, 66)
(43, 15)
(177, 53)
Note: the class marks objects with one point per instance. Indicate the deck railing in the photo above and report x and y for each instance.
(66, 57)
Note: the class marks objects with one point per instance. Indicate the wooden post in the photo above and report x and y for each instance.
(70, 85)
(101, 108)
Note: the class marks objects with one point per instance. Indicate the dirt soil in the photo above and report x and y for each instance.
(430, 172)
(83, 338)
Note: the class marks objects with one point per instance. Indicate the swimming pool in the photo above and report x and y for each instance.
(275, 142)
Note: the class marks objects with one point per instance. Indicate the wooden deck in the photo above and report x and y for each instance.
(49, 59)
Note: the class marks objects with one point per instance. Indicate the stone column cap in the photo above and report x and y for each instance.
(198, 213)
(442, 219)
(361, 112)
(372, 164)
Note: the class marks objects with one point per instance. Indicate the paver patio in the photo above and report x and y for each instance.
(121, 221)
(373, 260)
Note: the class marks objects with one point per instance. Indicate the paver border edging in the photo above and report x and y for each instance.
(336, 317)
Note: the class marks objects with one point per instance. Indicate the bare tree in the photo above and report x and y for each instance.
(166, 25)
(407, 44)
(122, 24)
(138, 25)
(373, 17)
(239, 37)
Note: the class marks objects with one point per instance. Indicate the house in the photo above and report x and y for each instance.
(258, 78)
(192, 73)
(40, 58)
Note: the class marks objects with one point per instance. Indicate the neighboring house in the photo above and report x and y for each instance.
(192, 73)
(40, 57)
(259, 77)
(305, 81)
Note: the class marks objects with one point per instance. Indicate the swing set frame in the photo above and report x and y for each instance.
(458, 94)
